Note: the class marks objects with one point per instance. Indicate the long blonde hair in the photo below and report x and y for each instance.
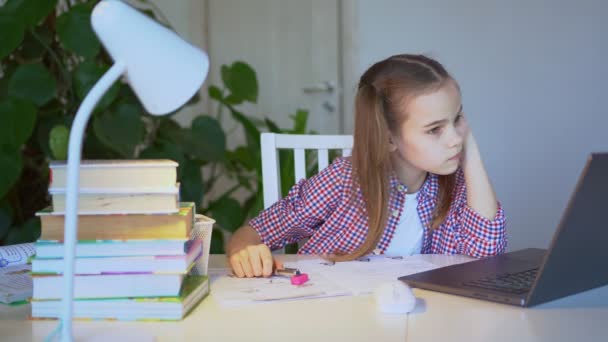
(384, 89)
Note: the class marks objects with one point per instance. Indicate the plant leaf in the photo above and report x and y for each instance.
(31, 48)
(9, 70)
(34, 83)
(11, 35)
(10, 170)
(299, 121)
(215, 93)
(241, 80)
(208, 138)
(169, 129)
(32, 227)
(75, 31)
(19, 118)
(217, 241)
(191, 183)
(228, 213)
(86, 75)
(272, 126)
(44, 125)
(58, 142)
(28, 232)
(252, 132)
(5, 222)
(96, 149)
(28, 12)
(242, 156)
(165, 150)
(121, 130)
(233, 100)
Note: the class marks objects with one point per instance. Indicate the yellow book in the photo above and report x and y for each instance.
(121, 226)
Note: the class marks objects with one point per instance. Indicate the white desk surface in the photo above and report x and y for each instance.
(438, 317)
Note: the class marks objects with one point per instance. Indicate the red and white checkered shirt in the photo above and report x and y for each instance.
(319, 208)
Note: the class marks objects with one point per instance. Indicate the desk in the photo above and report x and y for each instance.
(438, 317)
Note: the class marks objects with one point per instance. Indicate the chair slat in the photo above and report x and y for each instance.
(272, 143)
(299, 163)
(323, 158)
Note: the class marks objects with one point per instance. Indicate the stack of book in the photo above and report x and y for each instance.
(136, 244)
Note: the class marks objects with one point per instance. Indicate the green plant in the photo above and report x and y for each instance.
(49, 59)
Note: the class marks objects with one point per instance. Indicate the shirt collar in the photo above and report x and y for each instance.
(429, 188)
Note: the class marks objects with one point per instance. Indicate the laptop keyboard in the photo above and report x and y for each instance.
(516, 283)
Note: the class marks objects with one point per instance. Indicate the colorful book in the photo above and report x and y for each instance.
(118, 174)
(122, 226)
(130, 264)
(95, 201)
(193, 290)
(107, 248)
(109, 285)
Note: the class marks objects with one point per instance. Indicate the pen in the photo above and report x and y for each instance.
(294, 275)
(287, 272)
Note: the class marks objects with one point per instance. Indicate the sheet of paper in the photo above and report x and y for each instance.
(15, 283)
(326, 280)
(366, 274)
(16, 254)
(231, 291)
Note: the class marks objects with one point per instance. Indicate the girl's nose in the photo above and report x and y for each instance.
(455, 136)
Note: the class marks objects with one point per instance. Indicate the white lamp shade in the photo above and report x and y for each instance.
(164, 72)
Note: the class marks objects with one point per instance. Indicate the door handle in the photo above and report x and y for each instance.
(323, 87)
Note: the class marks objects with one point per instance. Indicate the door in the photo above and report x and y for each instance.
(293, 46)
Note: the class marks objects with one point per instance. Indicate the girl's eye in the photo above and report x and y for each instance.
(458, 118)
(434, 131)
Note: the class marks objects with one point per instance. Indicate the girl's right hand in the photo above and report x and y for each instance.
(254, 261)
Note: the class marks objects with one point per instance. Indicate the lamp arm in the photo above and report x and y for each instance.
(73, 177)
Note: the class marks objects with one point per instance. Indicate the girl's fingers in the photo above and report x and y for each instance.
(236, 266)
(266, 257)
(255, 259)
(245, 263)
(278, 264)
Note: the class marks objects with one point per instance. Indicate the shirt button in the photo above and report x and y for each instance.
(395, 213)
(401, 188)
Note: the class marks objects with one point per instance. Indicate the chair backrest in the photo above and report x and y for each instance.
(299, 143)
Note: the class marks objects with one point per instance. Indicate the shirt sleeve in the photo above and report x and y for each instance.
(306, 207)
(474, 234)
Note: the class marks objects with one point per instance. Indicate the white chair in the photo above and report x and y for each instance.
(272, 142)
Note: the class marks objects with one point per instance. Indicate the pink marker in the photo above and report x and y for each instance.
(299, 279)
(295, 276)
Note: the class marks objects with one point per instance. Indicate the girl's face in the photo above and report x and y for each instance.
(432, 136)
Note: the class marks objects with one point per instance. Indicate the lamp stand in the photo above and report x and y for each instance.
(73, 177)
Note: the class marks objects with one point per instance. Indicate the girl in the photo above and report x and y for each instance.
(415, 182)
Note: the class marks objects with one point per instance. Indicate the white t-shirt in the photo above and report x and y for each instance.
(407, 239)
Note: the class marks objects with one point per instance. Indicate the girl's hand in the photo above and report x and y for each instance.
(470, 155)
(480, 193)
(254, 261)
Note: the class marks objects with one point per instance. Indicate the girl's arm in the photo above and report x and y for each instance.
(480, 193)
(309, 203)
(478, 225)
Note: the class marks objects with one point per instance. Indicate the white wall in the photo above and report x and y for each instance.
(533, 77)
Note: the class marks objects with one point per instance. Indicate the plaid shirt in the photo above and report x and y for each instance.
(319, 208)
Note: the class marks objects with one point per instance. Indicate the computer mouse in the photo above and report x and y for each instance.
(395, 297)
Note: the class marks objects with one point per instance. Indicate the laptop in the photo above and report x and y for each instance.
(575, 261)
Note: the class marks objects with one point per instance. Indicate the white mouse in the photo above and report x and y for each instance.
(395, 297)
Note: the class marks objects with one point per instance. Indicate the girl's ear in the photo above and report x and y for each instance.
(392, 147)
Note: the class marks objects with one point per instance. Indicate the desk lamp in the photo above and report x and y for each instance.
(164, 72)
